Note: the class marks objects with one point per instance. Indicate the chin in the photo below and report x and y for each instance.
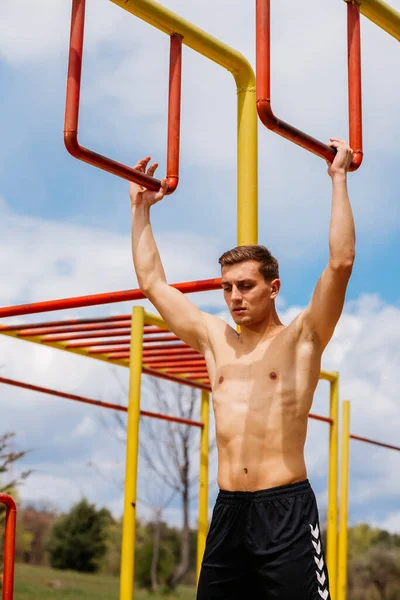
(241, 320)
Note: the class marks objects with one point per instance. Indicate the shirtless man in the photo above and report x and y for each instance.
(264, 539)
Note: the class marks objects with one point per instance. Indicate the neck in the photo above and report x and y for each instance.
(253, 334)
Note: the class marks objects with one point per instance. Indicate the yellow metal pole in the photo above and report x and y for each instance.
(247, 174)
(344, 503)
(247, 152)
(203, 480)
(331, 551)
(382, 14)
(132, 452)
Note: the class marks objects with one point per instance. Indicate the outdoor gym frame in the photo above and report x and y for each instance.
(183, 32)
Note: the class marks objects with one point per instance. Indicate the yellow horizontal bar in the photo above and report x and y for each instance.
(329, 375)
(169, 22)
(150, 319)
(382, 14)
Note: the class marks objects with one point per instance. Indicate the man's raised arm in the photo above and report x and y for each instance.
(325, 308)
(182, 316)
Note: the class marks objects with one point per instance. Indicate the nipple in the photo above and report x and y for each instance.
(273, 375)
(221, 379)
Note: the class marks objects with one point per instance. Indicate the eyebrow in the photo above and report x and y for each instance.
(239, 281)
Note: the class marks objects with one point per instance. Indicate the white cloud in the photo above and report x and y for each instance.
(56, 259)
(86, 427)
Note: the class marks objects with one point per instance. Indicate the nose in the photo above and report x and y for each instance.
(235, 295)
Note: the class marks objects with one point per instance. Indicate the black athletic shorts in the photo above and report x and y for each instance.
(265, 545)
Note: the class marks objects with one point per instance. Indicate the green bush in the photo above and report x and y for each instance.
(78, 540)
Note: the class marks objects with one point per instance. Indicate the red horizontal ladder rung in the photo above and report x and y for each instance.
(73, 102)
(263, 86)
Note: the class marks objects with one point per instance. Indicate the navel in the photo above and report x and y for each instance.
(273, 375)
(245, 471)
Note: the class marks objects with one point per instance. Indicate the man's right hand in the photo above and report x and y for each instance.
(141, 196)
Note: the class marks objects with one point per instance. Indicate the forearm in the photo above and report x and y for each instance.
(342, 231)
(146, 258)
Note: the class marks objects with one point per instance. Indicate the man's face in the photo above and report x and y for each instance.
(248, 296)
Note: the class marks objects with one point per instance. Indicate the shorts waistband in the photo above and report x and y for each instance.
(291, 489)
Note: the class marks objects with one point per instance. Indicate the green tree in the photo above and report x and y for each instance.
(8, 485)
(78, 540)
(112, 561)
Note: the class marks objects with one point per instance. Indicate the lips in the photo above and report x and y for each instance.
(239, 310)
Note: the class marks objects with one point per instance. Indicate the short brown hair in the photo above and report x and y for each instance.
(269, 267)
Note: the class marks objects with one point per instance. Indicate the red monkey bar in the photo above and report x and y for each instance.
(72, 110)
(188, 287)
(9, 546)
(373, 442)
(113, 406)
(263, 89)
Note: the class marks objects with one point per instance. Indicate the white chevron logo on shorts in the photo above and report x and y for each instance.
(320, 562)
(315, 531)
(317, 546)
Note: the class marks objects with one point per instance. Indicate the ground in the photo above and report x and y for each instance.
(38, 583)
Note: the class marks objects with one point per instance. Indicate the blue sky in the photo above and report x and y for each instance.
(65, 226)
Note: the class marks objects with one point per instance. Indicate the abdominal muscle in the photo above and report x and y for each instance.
(260, 440)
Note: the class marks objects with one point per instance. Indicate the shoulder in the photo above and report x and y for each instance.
(215, 324)
(219, 332)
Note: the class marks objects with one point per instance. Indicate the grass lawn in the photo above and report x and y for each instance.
(39, 583)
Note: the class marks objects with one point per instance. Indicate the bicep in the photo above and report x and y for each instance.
(325, 308)
(183, 317)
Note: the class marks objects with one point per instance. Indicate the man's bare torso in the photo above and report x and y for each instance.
(261, 400)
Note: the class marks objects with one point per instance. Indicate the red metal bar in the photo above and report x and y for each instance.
(189, 368)
(188, 287)
(9, 546)
(368, 441)
(73, 101)
(177, 358)
(66, 396)
(182, 380)
(202, 375)
(109, 405)
(146, 413)
(354, 82)
(180, 366)
(160, 348)
(263, 86)
(66, 337)
(149, 355)
(66, 322)
(32, 331)
(161, 338)
(320, 418)
(182, 349)
(174, 112)
(114, 342)
(108, 345)
(50, 337)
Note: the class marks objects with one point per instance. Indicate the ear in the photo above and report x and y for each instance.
(275, 287)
